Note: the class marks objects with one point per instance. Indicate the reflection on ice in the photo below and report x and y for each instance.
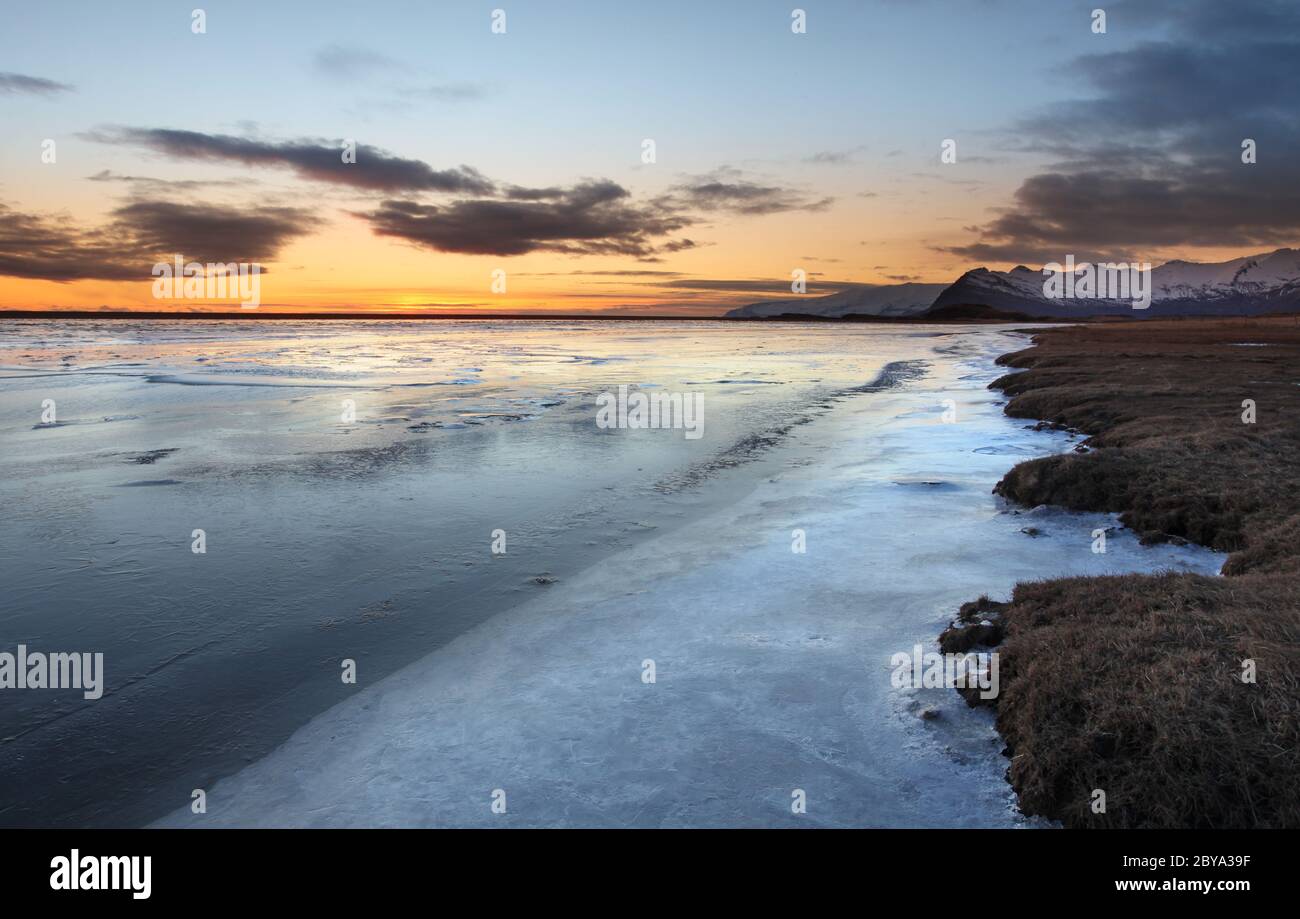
(771, 667)
(349, 478)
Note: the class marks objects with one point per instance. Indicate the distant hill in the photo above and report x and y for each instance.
(1251, 285)
(861, 299)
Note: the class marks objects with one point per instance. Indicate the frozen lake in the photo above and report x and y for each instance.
(348, 479)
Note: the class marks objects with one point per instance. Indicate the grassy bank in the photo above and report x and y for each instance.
(1134, 685)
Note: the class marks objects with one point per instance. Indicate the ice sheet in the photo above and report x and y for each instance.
(771, 667)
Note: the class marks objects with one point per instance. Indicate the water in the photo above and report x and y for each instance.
(330, 537)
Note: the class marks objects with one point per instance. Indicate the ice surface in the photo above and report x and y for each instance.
(314, 520)
(771, 667)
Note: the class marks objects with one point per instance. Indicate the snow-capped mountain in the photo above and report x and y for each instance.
(860, 299)
(1253, 285)
(1262, 275)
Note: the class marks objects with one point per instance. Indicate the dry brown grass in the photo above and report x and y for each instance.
(1162, 404)
(1133, 684)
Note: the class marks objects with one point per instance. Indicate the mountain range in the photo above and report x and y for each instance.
(1251, 285)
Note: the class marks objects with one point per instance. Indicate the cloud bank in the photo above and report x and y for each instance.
(141, 233)
(1153, 159)
(317, 160)
(12, 83)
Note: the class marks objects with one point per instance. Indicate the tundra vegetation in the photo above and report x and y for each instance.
(1177, 695)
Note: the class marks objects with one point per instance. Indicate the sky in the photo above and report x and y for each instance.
(505, 171)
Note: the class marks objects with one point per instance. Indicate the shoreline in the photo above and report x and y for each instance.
(257, 315)
(571, 671)
(394, 602)
(782, 684)
(958, 316)
(1164, 700)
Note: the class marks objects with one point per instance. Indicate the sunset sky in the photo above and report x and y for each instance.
(523, 151)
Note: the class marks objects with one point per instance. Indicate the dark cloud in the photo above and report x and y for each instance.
(142, 233)
(591, 218)
(320, 160)
(519, 193)
(1152, 159)
(1097, 214)
(151, 184)
(211, 234)
(747, 198)
(39, 86)
(726, 190)
(33, 246)
(1206, 19)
